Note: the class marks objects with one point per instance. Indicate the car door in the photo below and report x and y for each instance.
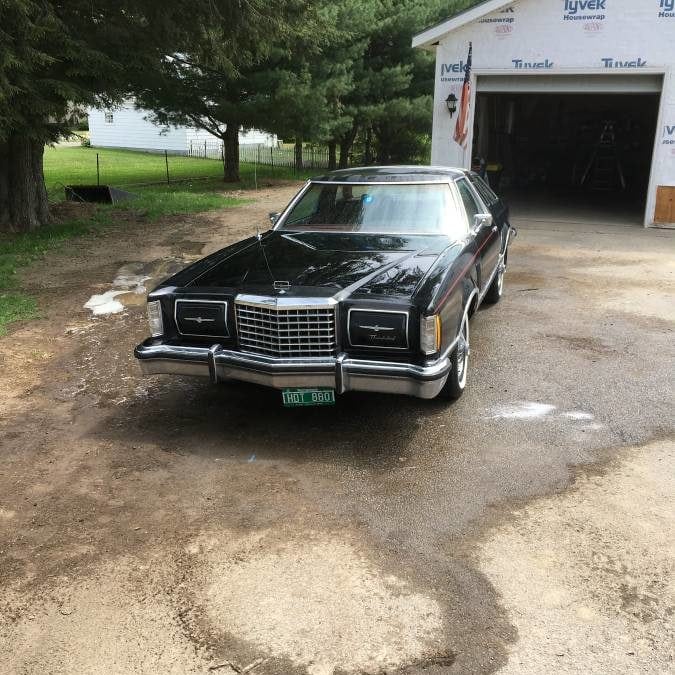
(487, 237)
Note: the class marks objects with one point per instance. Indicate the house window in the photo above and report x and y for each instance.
(108, 118)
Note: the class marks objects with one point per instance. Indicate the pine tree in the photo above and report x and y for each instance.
(194, 89)
(390, 102)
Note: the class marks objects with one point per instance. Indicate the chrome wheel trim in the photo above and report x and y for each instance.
(463, 353)
(500, 280)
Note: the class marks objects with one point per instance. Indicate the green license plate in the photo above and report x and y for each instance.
(294, 398)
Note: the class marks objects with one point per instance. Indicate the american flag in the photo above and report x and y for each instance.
(462, 126)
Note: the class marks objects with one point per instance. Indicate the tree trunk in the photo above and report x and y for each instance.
(382, 156)
(345, 147)
(23, 196)
(368, 152)
(383, 142)
(346, 143)
(332, 156)
(298, 155)
(231, 152)
(4, 187)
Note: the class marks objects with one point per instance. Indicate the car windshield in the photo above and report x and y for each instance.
(386, 209)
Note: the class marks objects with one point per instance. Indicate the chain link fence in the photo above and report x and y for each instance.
(312, 157)
(204, 162)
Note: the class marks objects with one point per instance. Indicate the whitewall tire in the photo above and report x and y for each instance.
(459, 360)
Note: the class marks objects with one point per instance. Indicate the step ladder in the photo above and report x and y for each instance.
(604, 170)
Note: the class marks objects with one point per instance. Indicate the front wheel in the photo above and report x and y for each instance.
(456, 383)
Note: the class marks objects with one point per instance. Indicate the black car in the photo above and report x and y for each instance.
(366, 282)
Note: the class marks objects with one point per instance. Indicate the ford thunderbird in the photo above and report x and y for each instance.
(365, 282)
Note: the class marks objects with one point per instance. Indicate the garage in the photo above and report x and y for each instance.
(567, 107)
(580, 148)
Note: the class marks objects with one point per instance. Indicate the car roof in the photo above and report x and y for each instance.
(392, 174)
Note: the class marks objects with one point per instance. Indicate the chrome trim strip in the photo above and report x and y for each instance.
(290, 237)
(381, 311)
(444, 181)
(373, 233)
(286, 303)
(215, 302)
(339, 373)
(282, 217)
(213, 371)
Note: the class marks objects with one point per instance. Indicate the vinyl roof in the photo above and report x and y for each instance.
(391, 174)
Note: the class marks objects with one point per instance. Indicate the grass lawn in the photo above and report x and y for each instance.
(68, 165)
(121, 168)
(16, 307)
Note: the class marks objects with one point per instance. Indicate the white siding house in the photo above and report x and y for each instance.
(127, 127)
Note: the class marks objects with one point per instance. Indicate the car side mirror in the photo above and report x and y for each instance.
(274, 217)
(481, 221)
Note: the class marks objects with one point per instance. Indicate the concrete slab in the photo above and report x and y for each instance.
(591, 209)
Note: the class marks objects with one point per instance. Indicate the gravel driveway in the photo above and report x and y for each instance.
(158, 525)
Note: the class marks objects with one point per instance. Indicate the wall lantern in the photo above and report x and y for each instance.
(451, 102)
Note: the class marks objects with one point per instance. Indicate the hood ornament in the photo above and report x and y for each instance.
(281, 286)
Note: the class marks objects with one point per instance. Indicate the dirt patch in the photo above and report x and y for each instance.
(587, 577)
(99, 625)
(313, 600)
(63, 211)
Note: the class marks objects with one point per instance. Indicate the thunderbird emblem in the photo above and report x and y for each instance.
(198, 319)
(377, 329)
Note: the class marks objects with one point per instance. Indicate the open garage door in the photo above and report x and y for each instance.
(567, 147)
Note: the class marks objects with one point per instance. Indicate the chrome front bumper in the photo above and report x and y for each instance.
(340, 373)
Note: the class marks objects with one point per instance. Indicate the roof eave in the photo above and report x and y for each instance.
(428, 39)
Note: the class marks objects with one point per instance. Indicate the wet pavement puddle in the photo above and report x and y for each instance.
(536, 411)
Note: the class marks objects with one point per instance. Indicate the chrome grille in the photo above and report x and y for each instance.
(281, 331)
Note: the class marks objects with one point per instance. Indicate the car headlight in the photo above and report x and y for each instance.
(378, 329)
(430, 334)
(155, 320)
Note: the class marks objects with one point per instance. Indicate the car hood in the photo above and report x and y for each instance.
(365, 264)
